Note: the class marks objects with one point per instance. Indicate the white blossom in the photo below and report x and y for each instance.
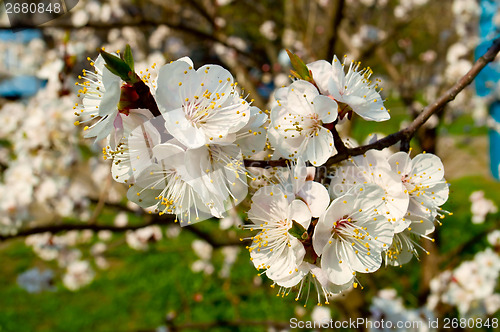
(372, 167)
(274, 249)
(296, 128)
(200, 106)
(351, 235)
(352, 90)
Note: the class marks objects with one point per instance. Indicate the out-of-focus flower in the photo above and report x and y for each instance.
(203, 250)
(267, 29)
(321, 315)
(388, 307)
(494, 238)
(121, 219)
(471, 286)
(78, 274)
(230, 256)
(481, 207)
(139, 239)
(367, 36)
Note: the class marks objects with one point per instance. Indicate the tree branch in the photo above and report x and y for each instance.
(337, 140)
(142, 24)
(156, 220)
(337, 19)
(84, 226)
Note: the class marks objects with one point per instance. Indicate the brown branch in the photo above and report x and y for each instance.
(266, 163)
(337, 19)
(54, 229)
(146, 99)
(142, 24)
(156, 220)
(203, 12)
(337, 140)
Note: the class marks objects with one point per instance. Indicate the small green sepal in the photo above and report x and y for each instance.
(298, 231)
(128, 58)
(300, 69)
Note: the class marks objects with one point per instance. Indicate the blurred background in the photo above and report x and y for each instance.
(75, 255)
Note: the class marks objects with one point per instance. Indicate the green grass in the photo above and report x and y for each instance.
(459, 228)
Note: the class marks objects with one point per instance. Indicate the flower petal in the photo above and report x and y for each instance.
(322, 73)
(335, 264)
(320, 147)
(183, 130)
(299, 212)
(326, 108)
(400, 163)
(316, 196)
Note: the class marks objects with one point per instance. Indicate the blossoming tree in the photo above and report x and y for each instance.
(322, 216)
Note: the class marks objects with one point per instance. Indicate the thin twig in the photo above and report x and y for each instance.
(337, 140)
(54, 229)
(101, 201)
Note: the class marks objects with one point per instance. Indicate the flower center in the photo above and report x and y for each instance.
(343, 222)
(409, 184)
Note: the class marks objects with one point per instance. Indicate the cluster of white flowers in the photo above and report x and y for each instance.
(140, 238)
(77, 271)
(188, 160)
(45, 177)
(470, 287)
(481, 207)
(388, 307)
(376, 210)
(78, 274)
(405, 7)
(20, 58)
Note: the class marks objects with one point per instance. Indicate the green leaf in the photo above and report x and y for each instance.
(128, 58)
(116, 65)
(301, 71)
(298, 231)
